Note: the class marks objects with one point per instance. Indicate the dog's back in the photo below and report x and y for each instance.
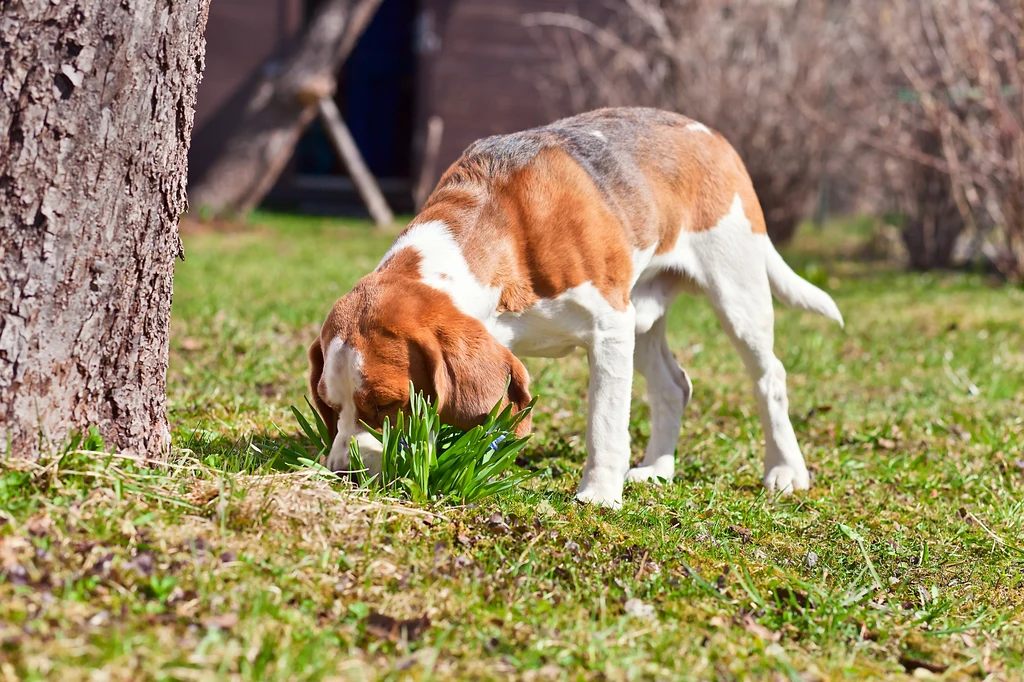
(659, 173)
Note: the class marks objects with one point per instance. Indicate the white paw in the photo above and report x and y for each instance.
(601, 492)
(785, 479)
(587, 497)
(651, 474)
(338, 459)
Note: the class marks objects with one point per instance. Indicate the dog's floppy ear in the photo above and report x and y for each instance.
(316, 370)
(468, 370)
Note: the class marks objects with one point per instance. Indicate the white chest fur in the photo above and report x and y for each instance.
(552, 327)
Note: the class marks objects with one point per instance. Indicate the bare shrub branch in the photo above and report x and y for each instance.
(916, 103)
(740, 71)
(957, 67)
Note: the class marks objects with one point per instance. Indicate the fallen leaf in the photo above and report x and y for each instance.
(786, 596)
(99, 619)
(224, 621)
(817, 409)
(17, 574)
(758, 630)
(102, 565)
(638, 609)
(344, 584)
(39, 526)
(744, 533)
(496, 522)
(12, 548)
(386, 627)
(718, 622)
(202, 496)
(143, 564)
(910, 664)
(544, 508)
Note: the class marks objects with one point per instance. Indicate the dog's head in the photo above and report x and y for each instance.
(387, 332)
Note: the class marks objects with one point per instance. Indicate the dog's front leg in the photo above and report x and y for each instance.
(610, 354)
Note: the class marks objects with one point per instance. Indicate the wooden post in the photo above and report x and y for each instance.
(346, 147)
(279, 109)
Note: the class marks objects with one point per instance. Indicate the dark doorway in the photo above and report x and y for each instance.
(376, 96)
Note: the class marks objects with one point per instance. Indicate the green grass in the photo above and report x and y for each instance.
(424, 460)
(232, 564)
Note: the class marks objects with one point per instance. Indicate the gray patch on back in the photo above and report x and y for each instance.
(607, 157)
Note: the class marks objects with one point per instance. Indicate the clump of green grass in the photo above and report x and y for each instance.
(425, 461)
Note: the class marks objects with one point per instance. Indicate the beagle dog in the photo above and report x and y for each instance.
(576, 234)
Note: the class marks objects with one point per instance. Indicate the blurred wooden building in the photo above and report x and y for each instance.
(475, 64)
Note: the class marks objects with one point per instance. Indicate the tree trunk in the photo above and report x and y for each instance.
(281, 108)
(96, 107)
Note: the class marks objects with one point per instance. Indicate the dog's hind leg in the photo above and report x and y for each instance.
(741, 296)
(668, 392)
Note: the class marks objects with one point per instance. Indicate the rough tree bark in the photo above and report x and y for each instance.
(281, 108)
(96, 107)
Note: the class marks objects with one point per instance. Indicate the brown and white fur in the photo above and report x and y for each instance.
(576, 234)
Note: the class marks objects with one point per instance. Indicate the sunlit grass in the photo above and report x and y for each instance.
(237, 561)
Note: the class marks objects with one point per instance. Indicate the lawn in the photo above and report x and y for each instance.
(906, 557)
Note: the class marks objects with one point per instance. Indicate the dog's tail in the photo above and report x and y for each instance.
(797, 292)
